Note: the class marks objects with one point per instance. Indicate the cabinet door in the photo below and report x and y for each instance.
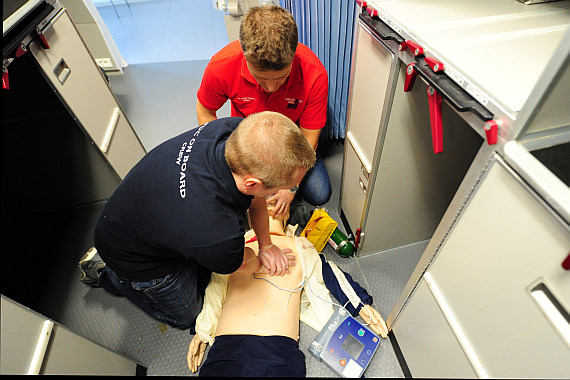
(428, 344)
(75, 76)
(370, 78)
(412, 186)
(505, 250)
(62, 353)
(355, 186)
(371, 73)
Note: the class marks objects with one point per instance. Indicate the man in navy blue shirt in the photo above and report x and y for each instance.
(179, 213)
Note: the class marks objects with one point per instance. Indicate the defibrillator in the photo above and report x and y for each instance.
(345, 345)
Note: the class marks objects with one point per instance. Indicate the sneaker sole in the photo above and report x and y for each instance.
(85, 259)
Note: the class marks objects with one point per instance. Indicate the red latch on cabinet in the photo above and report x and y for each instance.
(565, 263)
(434, 99)
(21, 50)
(411, 75)
(371, 11)
(435, 65)
(40, 36)
(5, 79)
(357, 237)
(361, 4)
(414, 47)
(491, 131)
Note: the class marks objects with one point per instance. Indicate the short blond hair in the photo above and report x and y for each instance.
(268, 37)
(270, 147)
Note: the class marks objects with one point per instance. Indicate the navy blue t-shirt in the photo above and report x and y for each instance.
(180, 201)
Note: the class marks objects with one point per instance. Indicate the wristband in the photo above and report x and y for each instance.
(266, 247)
(294, 189)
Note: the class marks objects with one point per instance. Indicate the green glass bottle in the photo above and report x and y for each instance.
(341, 244)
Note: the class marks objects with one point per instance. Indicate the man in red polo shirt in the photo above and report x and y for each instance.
(268, 70)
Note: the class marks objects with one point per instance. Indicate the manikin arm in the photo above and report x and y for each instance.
(196, 353)
(374, 320)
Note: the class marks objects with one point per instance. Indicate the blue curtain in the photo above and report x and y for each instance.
(327, 27)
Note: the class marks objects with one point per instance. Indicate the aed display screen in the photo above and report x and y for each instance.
(352, 346)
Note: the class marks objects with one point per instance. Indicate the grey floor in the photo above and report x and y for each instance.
(159, 100)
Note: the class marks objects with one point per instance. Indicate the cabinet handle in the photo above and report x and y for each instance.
(40, 351)
(110, 130)
(362, 185)
(62, 71)
(553, 310)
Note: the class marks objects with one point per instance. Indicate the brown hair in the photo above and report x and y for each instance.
(268, 37)
(269, 146)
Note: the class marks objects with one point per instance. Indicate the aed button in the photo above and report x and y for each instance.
(360, 332)
(342, 362)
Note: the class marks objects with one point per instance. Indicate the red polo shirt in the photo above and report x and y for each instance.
(303, 97)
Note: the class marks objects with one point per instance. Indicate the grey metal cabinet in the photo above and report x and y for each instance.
(395, 189)
(71, 69)
(496, 292)
(489, 297)
(33, 344)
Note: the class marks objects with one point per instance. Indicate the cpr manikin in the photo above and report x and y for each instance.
(251, 303)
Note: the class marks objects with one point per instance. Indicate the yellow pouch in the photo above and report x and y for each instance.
(319, 229)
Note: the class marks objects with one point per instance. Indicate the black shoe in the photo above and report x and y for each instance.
(91, 266)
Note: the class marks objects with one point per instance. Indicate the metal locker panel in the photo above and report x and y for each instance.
(370, 78)
(504, 245)
(354, 187)
(475, 39)
(427, 342)
(20, 331)
(413, 186)
(66, 353)
(74, 74)
(124, 159)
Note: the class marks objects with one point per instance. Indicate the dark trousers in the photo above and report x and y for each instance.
(254, 356)
(175, 299)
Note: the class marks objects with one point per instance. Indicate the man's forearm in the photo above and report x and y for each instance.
(260, 221)
(204, 115)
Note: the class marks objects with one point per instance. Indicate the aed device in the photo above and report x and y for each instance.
(345, 345)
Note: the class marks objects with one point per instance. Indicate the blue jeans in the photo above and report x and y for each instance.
(316, 186)
(175, 299)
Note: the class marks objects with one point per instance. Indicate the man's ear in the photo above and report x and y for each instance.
(251, 184)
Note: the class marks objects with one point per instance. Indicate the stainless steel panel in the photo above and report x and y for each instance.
(370, 77)
(489, 44)
(353, 195)
(428, 344)
(504, 243)
(75, 76)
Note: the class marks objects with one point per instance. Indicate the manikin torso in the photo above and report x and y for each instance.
(255, 307)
